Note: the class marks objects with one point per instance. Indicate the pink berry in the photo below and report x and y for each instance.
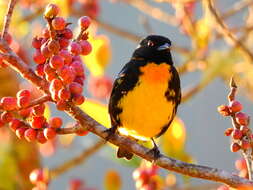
(235, 106)
(242, 118)
(58, 23)
(51, 11)
(38, 57)
(84, 22)
(30, 134)
(49, 133)
(9, 103)
(75, 48)
(75, 88)
(86, 47)
(78, 67)
(56, 62)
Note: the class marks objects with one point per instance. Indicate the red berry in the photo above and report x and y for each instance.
(86, 47)
(244, 129)
(45, 51)
(78, 67)
(25, 112)
(45, 33)
(55, 122)
(23, 92)
(9, 103)
(39, 176)
(228, 131)
(36, 42)
(235, 147)
(55, 85)
(30, 134)
(75, 48)
(50, 77)
(51, 11)
(80, 80)
(64, 94)
(56, 62)
(75, 88)
(38, 57)
(48, 70)
(63, 42)
(242, 118)
(224, 110)
(53, 46)
(23, 101)
(20, 132)
(67, 33)
(6, 117)
(82, 132)
(84, 22)
(67, 74)
(75, 184)
(66, 56)
(237, 134)
(15, 124)
(240, 164)
(58, 23)
(39, 110)
(40, 70)
(78, 99)
(245, 144)
(41, 137)
(54, 95)
(235, 106)
(62, 105)
(8, 38)
(38, 122)
(49, 133)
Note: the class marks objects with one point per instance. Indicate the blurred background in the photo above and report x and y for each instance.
(203, 53)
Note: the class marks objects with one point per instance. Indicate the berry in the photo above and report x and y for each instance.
(228, 131)
(63, 42)
(61, 105)
(84, 22)
(67, 74)
(1, 123)
(40, 70)
(25, 112)
(78, 67)
(49, 70)
(50, 77)
(240, 164)
(6, 117)
(64, 94)
(235, 106)
(66, 56)
(23, 93)
(49, 133)
(23, 101)
(9, 103)
(82, 132)
(75, 48)
(235, 147)
(242, 118)
(224, 110)
(86, 47)
(78, 99)
(8, 38)
(45, 51)
(54, 95)
(58, 23)
(75, 88)
(244, 129)
(55, 85)
(39, 176)
(100, 87)
(39, 110)
(38, 57)
(36, 42)
(55, 122)
(67, 33)
(237, 134)
(53, 46)
(56, 62)
(245, 144)
(79, 79)
(41, 137)
(30, 134)
(51, 11)
(15, 124)
(38, 122)
(20, 132)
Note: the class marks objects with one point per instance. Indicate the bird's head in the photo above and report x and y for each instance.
(154, 48)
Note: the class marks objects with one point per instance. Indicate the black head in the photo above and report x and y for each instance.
(154, 48)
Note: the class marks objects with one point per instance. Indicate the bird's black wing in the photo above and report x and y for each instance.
(126, 80)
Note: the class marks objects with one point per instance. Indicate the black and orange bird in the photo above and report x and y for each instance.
(145, 94)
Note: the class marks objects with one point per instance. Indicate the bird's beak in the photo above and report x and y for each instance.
(164, 47)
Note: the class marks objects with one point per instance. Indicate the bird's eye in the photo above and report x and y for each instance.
(150, 43)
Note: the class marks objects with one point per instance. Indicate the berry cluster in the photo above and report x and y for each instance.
(240, 133)
(145, 177)
(27, 122)
(58, 59)
(40, 178)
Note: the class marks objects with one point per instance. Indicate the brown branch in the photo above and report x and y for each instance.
(7, 18)
(55, 172)
(37, 101)
(226, 32)
(87, 123)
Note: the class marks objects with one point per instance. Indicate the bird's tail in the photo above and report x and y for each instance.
(123, 153)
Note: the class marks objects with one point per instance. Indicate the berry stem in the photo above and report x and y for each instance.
(38, 101)
(7, 18)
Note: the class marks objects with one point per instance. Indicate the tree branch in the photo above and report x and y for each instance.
(55, 172)
(7, 18)
(87, 123)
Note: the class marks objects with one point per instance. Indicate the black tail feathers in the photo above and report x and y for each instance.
(123, 153)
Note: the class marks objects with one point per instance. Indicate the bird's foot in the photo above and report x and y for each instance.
(155, 152)
(110, 132)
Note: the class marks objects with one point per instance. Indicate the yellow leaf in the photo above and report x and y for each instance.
(112, 180)
(100, 55)
(97, 111)
(64, 6)
(47, 112)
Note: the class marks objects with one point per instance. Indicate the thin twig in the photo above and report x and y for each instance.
(226, 32)
(87, 123)
(55, 172)
(7, 18)
(37, 101)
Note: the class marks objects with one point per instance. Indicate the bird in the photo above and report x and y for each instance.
(145, 94)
